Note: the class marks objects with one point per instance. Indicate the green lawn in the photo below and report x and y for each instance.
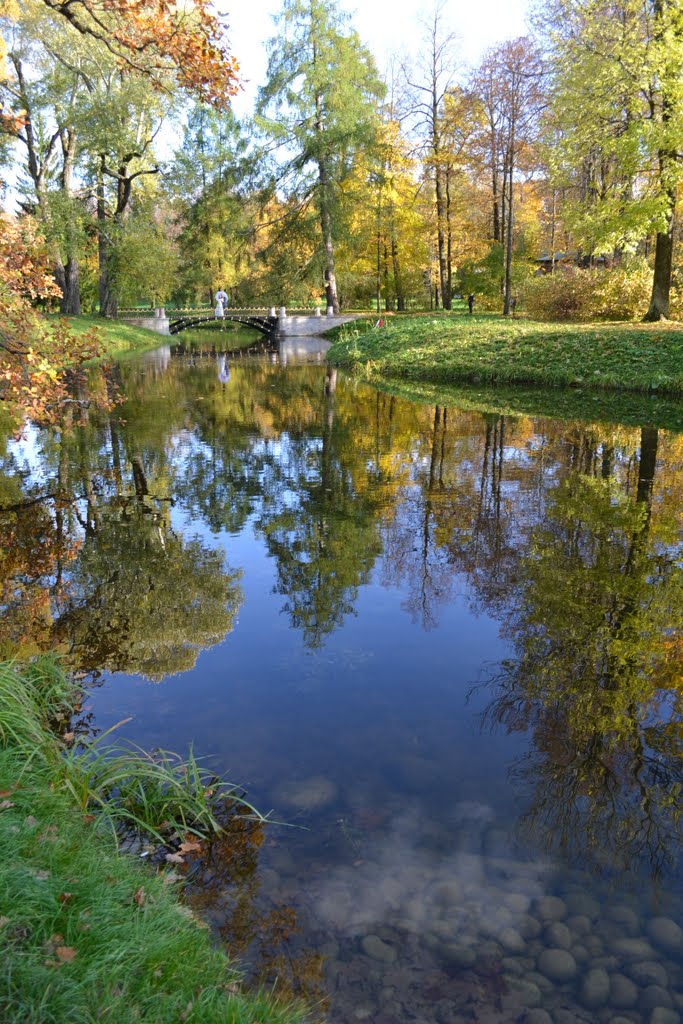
(485, 349)
(86, 933)
(117, 337)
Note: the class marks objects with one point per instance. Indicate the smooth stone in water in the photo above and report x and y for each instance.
(665, 934)
(537, 1016)
(632, 949)
(448, 894)
(529, 927)
(580, 903)
(626, 917)
(540, 980)
(525, 992)
(623, 993)
(458, 956)
(551, 908)
(557, 964)
(517, 902)
(376, 949)
(307, 794)
(649, 972)
(595, 988)
(558, 936)
(654, 996)
(580, 953)
(511, 941)
(579, 925)
(663, 1016)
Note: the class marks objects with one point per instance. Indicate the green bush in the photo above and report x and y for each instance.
(583, 295)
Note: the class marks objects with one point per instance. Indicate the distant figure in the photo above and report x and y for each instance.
(513, 305)
(470, 303)
(223, 370)
(221, 303)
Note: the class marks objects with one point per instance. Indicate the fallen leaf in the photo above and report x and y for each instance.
(68, 737)
(190, 846)
(139, 896)
(5, 805)
(174, 858)
(64, 897)
(4, 921)
(49, 835)
(170, 877)
(30, 821)
(88, 818)
(65, 954)
(40, 876)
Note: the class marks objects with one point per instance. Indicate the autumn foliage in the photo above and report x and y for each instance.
(158, 38)
(37, 358)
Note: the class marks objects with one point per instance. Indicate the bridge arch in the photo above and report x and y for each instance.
(265, 324)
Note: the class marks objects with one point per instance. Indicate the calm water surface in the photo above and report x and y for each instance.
(444, 645)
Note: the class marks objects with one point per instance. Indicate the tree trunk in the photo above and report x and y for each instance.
(107, 300)
(508, 241)
(661, 282)
(398, 281)
(71, 292)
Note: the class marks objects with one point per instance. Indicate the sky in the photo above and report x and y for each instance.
(386, 26)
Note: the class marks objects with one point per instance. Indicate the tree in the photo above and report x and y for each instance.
(319, 103)
(429, 85)
(509, 83)
(160, 40)
(616, 87)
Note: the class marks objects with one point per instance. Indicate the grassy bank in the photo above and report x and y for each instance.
(117, 338)
(488, 349)
(87, 933)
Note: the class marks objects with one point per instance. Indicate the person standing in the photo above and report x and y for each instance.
(470, 303)
(221, 303)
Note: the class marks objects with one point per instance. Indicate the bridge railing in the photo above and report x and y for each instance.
(180, 311)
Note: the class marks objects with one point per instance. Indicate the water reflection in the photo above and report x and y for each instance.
(457, 664)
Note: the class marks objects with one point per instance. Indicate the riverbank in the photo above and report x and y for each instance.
(117, 338)
(443, 348)
(87, 933)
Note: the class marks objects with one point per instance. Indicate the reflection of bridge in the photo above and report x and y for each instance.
(269, 322)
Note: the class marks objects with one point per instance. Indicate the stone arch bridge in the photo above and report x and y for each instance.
(270, 322)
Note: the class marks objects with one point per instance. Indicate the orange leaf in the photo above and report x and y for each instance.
(139, 896)
(65, 954)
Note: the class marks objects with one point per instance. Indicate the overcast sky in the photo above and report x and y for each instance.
(386, 26)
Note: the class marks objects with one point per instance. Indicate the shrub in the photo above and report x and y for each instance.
(572, 294)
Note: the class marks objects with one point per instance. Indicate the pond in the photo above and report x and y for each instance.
(441, 646)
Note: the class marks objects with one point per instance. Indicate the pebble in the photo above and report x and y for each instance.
(582, 904)
(517, 902)
(557, 964)
(525, 992)
(375, 948)
(626, 917)
(458, 956)
(529, 927)
(448, 894)
(511, 941)
(663, 1016)
(595, 988)
(633, 949)
(665, 934)
(537, 1016)
(579, 924)
(623, 993)
(307, 794)
(551, 908)
(558, 935)
(648, 972)
(654, 996)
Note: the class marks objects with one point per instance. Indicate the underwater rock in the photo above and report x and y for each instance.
(377, 949)
(623, 994)
(557, 964)
(666, 934)
(306, 794)
(595, 988)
